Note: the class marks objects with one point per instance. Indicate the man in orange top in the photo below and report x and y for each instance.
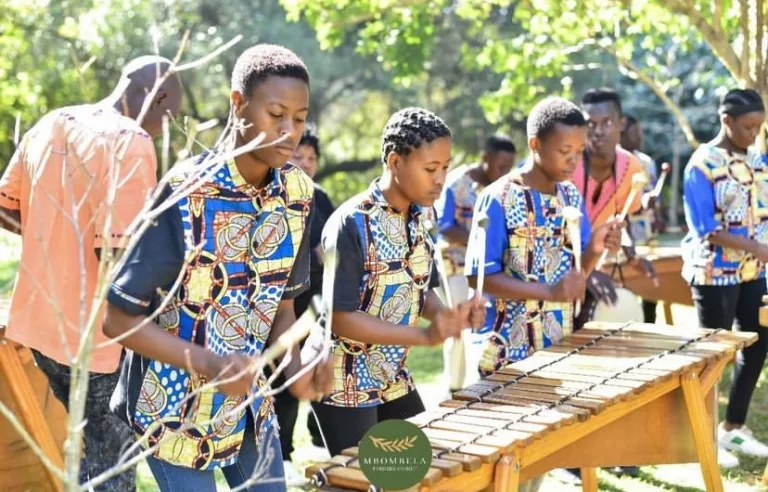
(76, 182)
(604, 179)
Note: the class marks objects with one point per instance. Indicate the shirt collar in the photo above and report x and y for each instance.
(377, 197)
(274, 186)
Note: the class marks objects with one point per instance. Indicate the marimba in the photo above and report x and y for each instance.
(24, 389)
(608, 395)
(672, 288)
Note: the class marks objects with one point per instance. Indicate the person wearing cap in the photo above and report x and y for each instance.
(724, 254)
(54, 194)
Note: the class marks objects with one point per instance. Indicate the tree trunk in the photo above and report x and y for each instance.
(674, 184)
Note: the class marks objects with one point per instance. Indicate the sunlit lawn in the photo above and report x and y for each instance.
(426, 364)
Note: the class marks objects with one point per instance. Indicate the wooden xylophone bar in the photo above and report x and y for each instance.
(609, 395)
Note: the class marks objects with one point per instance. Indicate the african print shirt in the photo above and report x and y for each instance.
(527, 239)
(643, 224)
(454, 208)
(385, 264)
(729, 192)
(245, 250)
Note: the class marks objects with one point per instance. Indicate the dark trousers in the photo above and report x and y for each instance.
(106, 436)
(287, 411)
(286, 405)
(344, 427)
(649, 311)
(719, 307)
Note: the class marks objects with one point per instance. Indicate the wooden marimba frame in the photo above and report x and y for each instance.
(672, 288)
(25, 390)
(608, 395)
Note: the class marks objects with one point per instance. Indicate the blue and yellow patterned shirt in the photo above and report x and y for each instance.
(723, 191)
(243, 249)
(454, 208)
(384, 270)
(527, 239)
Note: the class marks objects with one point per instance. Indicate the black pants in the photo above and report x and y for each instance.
(287, 412)
(719, 307)
(344, 427)
(286, 405)
(649, 311)
(106, 436)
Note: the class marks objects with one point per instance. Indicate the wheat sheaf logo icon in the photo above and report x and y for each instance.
(394, 445)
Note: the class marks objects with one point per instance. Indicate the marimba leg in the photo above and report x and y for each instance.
(765, 475)
(667, 312)
(589, 479)
(702, 431)
(507, 474)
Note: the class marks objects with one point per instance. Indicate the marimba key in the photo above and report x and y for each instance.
(487, 454)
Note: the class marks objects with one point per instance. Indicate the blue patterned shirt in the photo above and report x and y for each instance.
(385, 269)
(527, 239)
(243, 249)
(723, 191)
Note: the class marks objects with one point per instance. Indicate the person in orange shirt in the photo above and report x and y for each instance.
(75, 184)
(604, 179)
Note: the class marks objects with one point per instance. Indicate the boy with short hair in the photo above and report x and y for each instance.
(529, 257)
(239, 244)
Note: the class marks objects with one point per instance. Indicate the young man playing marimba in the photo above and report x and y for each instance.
(604, 177)
(529, 259)
(454, 212)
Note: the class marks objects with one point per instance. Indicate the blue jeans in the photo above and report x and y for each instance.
(173, 478)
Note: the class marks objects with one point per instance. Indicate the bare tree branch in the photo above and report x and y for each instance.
(651, 82)
(713, 34)
(746, 41)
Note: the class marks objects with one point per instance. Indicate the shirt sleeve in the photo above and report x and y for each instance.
(155, 262)
(586, 227)
(446, 210)
(496, 239)
(10, 183)
(341, 233)
(136, 178)
(298, 281)
(699, 200)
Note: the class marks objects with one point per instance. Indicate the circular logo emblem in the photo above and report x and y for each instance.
(395, 455)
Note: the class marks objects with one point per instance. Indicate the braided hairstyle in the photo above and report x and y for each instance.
(408, 129)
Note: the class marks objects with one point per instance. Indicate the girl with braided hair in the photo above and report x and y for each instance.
(724, 254)
(383, 283)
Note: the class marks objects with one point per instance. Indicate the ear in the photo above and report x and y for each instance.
(393, 161)
(484, 157)
(534, 143)
(726, 119)
(237, 99)
(623, 124)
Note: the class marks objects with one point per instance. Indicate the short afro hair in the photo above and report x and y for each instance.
(408, 129)
(551, 111)
(259, 62)
(309, 137)
(499, 143)
(631, 121)
(602, 95)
